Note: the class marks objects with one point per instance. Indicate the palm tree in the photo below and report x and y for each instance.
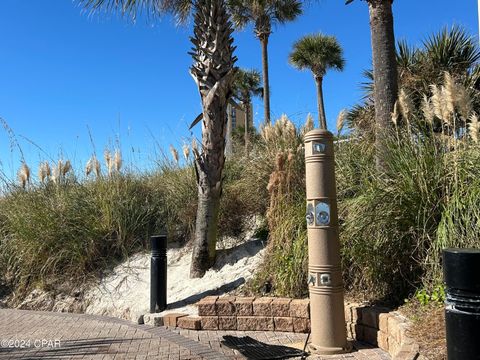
(263, 14)
(318, 53)
(246, 85)
(384, 71)
(213, 70)
(448, 50)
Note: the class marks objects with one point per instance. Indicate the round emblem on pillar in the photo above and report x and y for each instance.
(322, 214)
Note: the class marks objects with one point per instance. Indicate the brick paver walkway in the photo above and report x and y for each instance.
(46, 335)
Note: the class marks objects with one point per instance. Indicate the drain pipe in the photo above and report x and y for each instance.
(325, 285)
(158, 273)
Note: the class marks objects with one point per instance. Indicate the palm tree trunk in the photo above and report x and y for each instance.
(266, 87)
(228, 136)
(384, 72)
(321, 108)
(213, 72)
(247, 119)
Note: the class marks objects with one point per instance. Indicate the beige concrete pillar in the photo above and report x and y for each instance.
(324, 271)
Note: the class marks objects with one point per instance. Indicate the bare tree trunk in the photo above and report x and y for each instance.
(266, 86)
(213, 72)
(321, 108)
(384, 72)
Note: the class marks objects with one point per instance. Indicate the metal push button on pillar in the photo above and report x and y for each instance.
(158, 273)
(325, 276)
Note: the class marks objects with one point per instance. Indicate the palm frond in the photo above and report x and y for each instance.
(181, 9)
(451, 49)
(318, 53)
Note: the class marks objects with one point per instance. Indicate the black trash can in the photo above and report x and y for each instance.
(461, 270)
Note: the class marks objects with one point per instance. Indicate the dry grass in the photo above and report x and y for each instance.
(428, 329)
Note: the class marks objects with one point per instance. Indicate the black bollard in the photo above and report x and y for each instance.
(158, 273)
(461, 270)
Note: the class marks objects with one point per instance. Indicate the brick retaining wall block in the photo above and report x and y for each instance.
(171, 319)
(301, 325)
(227, 323)
(382, 340)
(281, 307)
(255, 323)
(244, 306)
(300, 308)
(189, 322)
(209, 322)
(225, 306)
(283, 324)
(206, 306)
(262, 306)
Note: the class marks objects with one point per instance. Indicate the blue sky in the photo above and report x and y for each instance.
(66, 76)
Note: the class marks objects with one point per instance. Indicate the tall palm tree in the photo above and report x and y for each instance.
(213, 70)
(384, 71)
(247, 84)
(318, 53)
(263, 14)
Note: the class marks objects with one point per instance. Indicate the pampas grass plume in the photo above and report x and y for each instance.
(44, 171)
(24, 175)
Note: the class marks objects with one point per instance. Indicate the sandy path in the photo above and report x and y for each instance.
(125, 293)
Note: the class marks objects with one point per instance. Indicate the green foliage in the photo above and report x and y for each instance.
(437, 296)
(317, 53)
(277, 165)
(263, 13)
(449, 50)
(247, 83)
(65, 233)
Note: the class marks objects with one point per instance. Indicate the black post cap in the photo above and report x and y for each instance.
(461, 269)
(158, 243)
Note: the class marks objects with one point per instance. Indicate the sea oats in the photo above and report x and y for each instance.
(309, 124)
(44, 171)
(186, 151)
(108, 161)
(117, 160)
(463, 101)
(290, 129)
(474, 128)
(405, 105)
(24, 175)
(436, 100)
(174, 153)
(91, 166)
(342, 115)
(66, 168)
(427, 109)
(267, 131)
(449, 90)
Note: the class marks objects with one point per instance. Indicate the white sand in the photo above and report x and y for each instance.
(126, 292)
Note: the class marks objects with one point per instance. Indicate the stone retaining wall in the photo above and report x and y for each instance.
(381, 327)
(375, 325)
(257, 314)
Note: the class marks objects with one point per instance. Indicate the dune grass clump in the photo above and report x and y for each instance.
(63, 233)
(396, 224)
(278, 165)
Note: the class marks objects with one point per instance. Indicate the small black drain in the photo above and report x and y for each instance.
(255, 350)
